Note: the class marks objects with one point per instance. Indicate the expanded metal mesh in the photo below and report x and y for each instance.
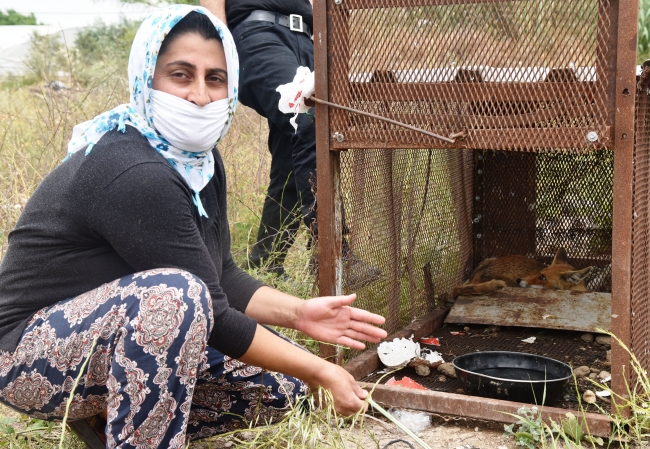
(520, 75)
(420, 220)
(408, 213)
(640, 302)
(533, 204)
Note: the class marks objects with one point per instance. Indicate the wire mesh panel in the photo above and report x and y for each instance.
(519, 75)
(532, 204)
(640, 302)
(418, 221)
(407, 216)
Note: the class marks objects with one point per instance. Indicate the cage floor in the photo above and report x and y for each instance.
(566, 346)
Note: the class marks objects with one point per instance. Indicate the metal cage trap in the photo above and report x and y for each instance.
(546, 144)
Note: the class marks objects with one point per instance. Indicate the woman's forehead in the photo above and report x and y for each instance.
(193, 48)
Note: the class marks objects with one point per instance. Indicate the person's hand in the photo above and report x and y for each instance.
(331, 319)
(347, 394)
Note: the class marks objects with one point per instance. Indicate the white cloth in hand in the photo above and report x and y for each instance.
(293, 94)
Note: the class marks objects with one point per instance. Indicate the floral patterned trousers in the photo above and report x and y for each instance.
(143, 340)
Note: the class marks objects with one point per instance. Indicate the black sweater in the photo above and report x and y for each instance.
(120, 210)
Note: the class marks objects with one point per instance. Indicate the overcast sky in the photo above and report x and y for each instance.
(76, 13)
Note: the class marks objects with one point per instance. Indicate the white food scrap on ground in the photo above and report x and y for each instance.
(401, 351)
(433, 357)
(398, 352)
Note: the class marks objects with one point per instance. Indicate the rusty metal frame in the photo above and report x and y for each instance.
(621, 54)
(329, 235)
(623, 139)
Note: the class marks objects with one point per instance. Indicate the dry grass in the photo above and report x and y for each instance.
(35, 127)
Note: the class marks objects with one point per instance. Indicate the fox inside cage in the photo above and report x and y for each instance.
(532, 185)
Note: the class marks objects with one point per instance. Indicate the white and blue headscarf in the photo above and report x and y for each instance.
(196, 168)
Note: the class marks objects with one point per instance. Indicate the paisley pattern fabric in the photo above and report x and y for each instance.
(195, 167)
(144, 337)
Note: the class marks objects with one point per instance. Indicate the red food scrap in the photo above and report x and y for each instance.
(430, 341)
(406, 382)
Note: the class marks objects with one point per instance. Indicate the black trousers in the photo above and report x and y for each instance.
(269, 55)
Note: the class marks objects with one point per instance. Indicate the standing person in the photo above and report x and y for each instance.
(273, 38)
(121, 258)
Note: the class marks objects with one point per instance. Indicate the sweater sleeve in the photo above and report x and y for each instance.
(146, 215)
(238, 285)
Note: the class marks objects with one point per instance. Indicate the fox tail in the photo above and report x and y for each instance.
(483, 288)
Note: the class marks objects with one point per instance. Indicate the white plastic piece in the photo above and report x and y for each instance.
(398, 352)
(416, 422)
(530, 340)
(603, 394)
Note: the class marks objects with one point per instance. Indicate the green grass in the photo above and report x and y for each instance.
(643, 49)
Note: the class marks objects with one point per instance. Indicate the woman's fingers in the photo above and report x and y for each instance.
(365, 316)
(347, 394)
(366, 331)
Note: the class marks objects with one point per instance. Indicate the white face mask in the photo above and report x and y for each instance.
(185, 125)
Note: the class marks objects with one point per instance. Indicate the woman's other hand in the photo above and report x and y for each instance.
(347, 394)
(269, 351)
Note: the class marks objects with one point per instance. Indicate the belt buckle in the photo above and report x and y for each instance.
(292, 27)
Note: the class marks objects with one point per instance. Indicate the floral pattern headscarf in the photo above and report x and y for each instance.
(196, 168)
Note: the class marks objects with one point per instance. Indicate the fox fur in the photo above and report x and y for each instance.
(520, 271)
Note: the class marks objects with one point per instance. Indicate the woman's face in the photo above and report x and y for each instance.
(193, 69)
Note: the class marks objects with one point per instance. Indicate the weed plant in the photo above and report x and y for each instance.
(643, 49)
(629, 414)
(631, 411)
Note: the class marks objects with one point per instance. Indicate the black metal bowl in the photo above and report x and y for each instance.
(514, 376)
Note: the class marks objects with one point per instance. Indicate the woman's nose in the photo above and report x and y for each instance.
(199, 94)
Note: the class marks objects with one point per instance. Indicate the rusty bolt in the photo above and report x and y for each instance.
(339, 137)
(338, 2)
(478, 236)
(479, 171)
(592, 136)
(477, 198)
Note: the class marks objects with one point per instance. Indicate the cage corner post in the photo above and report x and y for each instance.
(623, 143)
(327, 178)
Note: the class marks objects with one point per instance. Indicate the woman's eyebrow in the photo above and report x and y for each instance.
(193, 67)
(217, 70)
(182, 63)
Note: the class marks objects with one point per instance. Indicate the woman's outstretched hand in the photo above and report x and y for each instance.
(331, 319)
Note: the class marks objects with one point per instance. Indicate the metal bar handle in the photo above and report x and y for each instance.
(451, 139)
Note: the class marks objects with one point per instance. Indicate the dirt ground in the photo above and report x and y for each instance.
(444, 433)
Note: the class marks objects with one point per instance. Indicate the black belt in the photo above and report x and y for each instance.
(293, 22)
